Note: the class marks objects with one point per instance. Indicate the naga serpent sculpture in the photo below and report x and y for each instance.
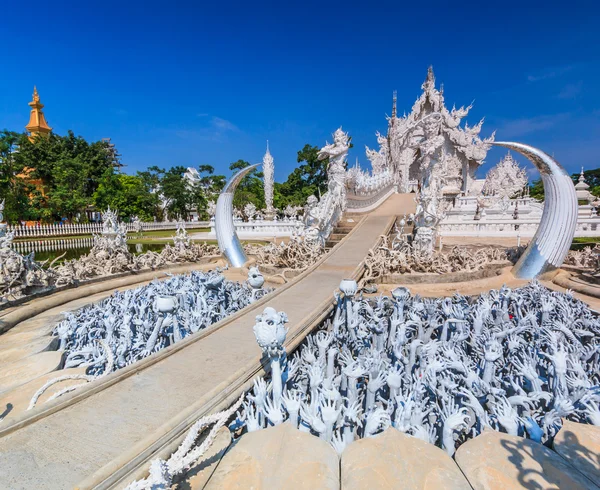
(227, 238)
(553, 238)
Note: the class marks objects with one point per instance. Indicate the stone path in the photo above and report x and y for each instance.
(94, 437)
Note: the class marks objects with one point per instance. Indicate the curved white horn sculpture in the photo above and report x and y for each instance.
(552, 240)
(229, 243)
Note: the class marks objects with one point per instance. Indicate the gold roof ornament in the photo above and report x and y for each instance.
(37, 121)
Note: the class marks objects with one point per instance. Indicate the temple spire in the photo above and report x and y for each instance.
(394, 101)
(268, 182)
(429, 83)
(37, 121)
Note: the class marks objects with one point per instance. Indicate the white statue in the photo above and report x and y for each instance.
(250, 211)
(136, 224)
(322, 217)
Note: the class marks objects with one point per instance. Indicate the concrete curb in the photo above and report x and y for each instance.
(564, 279)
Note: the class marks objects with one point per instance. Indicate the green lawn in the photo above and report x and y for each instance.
(584, 241)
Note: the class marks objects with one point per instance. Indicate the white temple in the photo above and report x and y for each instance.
(430, 144)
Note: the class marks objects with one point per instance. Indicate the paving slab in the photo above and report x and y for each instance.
(396, 461)
(277, 457)
(19, 351)
(24, 370)
(100, 428)
(579, 444)
(16, 400)
(495, 460)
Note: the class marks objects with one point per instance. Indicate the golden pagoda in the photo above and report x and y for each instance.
(37, 121)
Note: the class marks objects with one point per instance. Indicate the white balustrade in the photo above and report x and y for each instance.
(51, 230)
(586, 227)
(264, 228)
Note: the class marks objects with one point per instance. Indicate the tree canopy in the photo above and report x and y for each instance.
(307, 179)
(592, 178)
(61, 177)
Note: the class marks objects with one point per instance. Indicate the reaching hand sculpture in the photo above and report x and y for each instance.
(440, 369)
(131, 325)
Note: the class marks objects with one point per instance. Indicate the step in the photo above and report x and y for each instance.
(343, 229)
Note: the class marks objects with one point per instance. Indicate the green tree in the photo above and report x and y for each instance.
(536, 190)
(307, 179)
(210, 186)
(130, 195)
(66, 170)
(250, 189)
(14, 189)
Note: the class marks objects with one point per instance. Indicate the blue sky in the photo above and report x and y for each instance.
(182, 83)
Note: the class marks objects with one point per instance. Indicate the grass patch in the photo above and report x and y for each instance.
(581, 242)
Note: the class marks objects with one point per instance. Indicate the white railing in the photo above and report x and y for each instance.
(23, 231)
(365, 184)
(264, 228)
(362, 203)
(586, 227)
(25, 248)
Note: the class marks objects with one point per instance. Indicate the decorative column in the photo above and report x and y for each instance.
(268, 171)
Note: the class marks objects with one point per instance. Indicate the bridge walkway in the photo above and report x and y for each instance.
(98, 435)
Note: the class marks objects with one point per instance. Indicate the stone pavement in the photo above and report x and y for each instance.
(284, 457)
(94, 437)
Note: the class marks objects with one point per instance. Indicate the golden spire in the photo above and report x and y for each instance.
(37, 121)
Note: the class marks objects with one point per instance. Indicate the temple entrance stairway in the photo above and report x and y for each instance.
(97, 437)
(345, 226)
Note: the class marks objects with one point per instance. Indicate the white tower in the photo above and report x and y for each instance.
(268, 171)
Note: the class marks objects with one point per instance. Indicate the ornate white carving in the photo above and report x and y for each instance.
(250, 211)
(211, 208)
(440, 141)
(506, 179)
(18, 274)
